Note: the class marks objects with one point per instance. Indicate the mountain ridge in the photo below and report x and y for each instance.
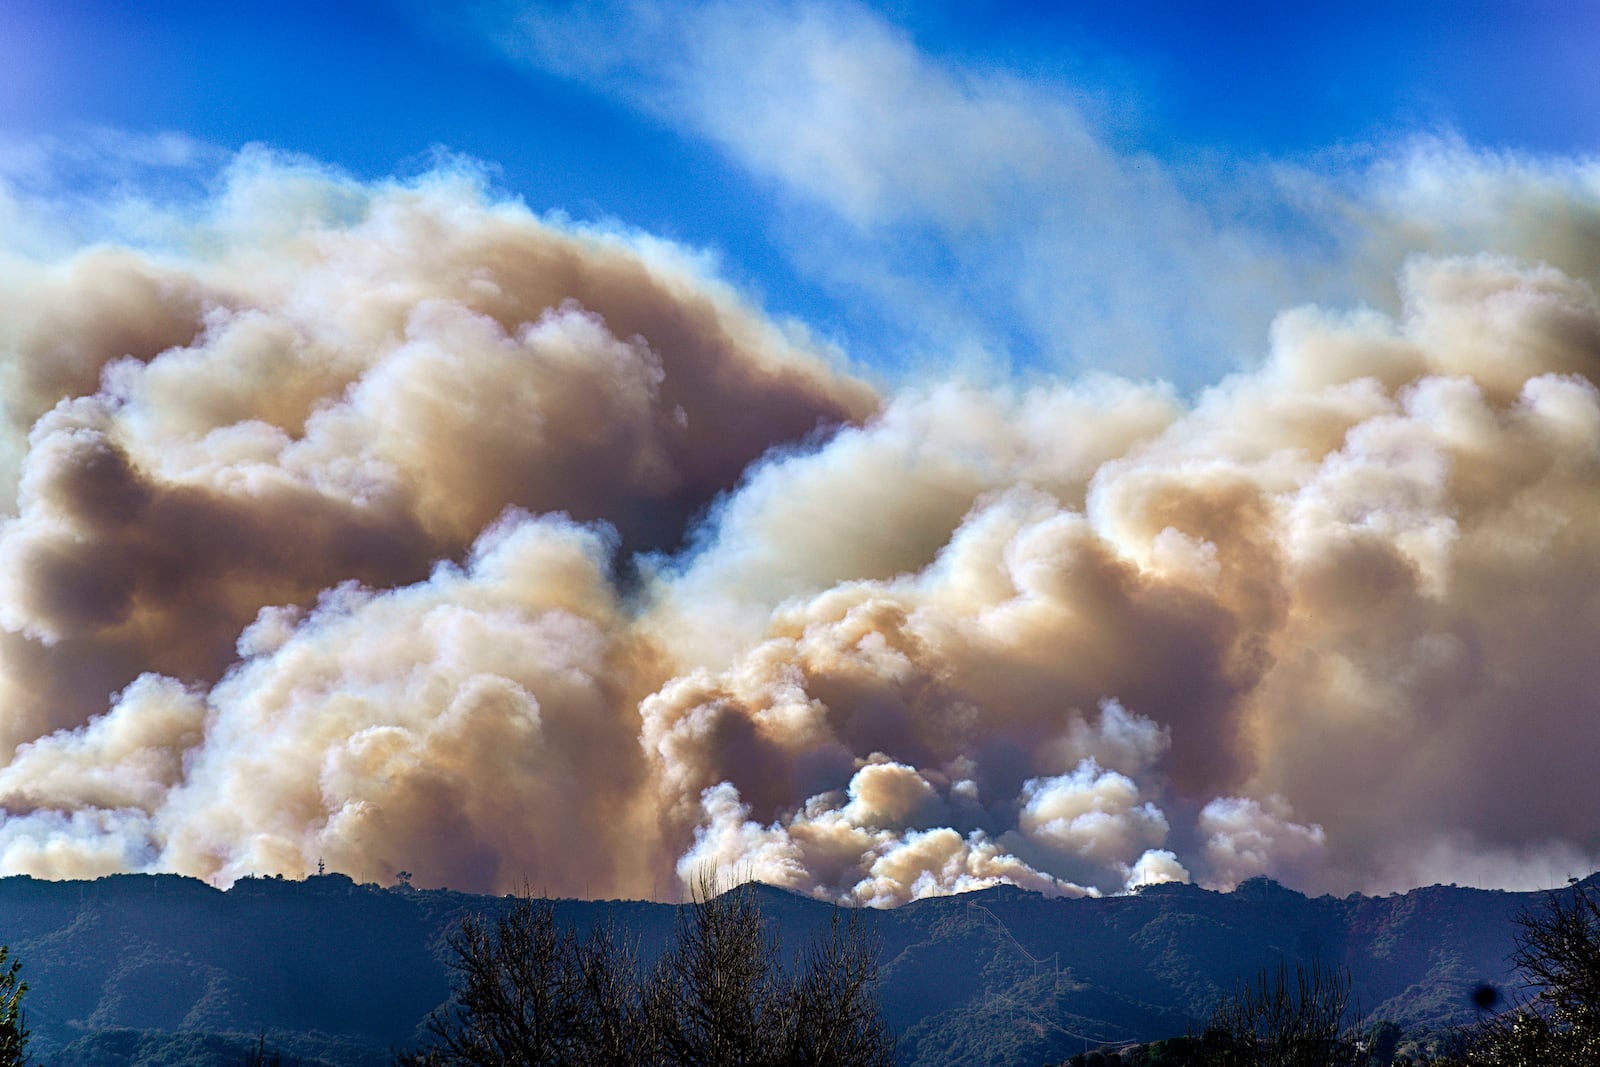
(338, 972)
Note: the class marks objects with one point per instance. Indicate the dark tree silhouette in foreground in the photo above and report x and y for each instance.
(1279, 1023)
(13, 1034)
(530, 992)
(836, 999)
(1558, 952)
(719, 995)
(517, 997)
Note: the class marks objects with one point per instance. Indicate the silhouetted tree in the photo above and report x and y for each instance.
(1558, 951)
(836, 1016)
(1276, 1023)
(615, 1028)
(13, 1034)
(517, 994)
(531, 993)
(722, 999)
(719, 997)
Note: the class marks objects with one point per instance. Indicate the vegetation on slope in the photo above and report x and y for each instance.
(341, 973)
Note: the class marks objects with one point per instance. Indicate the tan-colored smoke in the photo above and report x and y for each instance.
(1344, 602)
(267, 488)
(395, 527)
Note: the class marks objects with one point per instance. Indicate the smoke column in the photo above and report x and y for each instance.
(393, 526)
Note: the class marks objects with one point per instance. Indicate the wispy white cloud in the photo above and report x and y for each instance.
(964, 206)
(966, 213)
(61, 190)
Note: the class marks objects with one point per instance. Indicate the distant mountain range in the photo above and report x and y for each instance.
(167, 970)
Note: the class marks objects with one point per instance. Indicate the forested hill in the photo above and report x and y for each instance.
(163, 969)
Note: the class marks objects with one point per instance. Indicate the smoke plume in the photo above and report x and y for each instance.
(391, 526)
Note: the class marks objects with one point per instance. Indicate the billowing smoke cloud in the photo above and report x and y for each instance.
(265, 488)
(394, 527)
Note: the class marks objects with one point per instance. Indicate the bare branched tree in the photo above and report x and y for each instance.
(615, 1027)
(837, 1023)
(529, 992)
(1558, 951)
(720, 997)
(1279, 1023)
(517, 993)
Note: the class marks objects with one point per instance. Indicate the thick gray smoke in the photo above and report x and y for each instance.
(394, 527)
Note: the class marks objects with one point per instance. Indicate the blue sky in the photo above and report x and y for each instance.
(994, 189)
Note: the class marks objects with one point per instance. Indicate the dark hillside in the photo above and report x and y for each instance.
(163, 969)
